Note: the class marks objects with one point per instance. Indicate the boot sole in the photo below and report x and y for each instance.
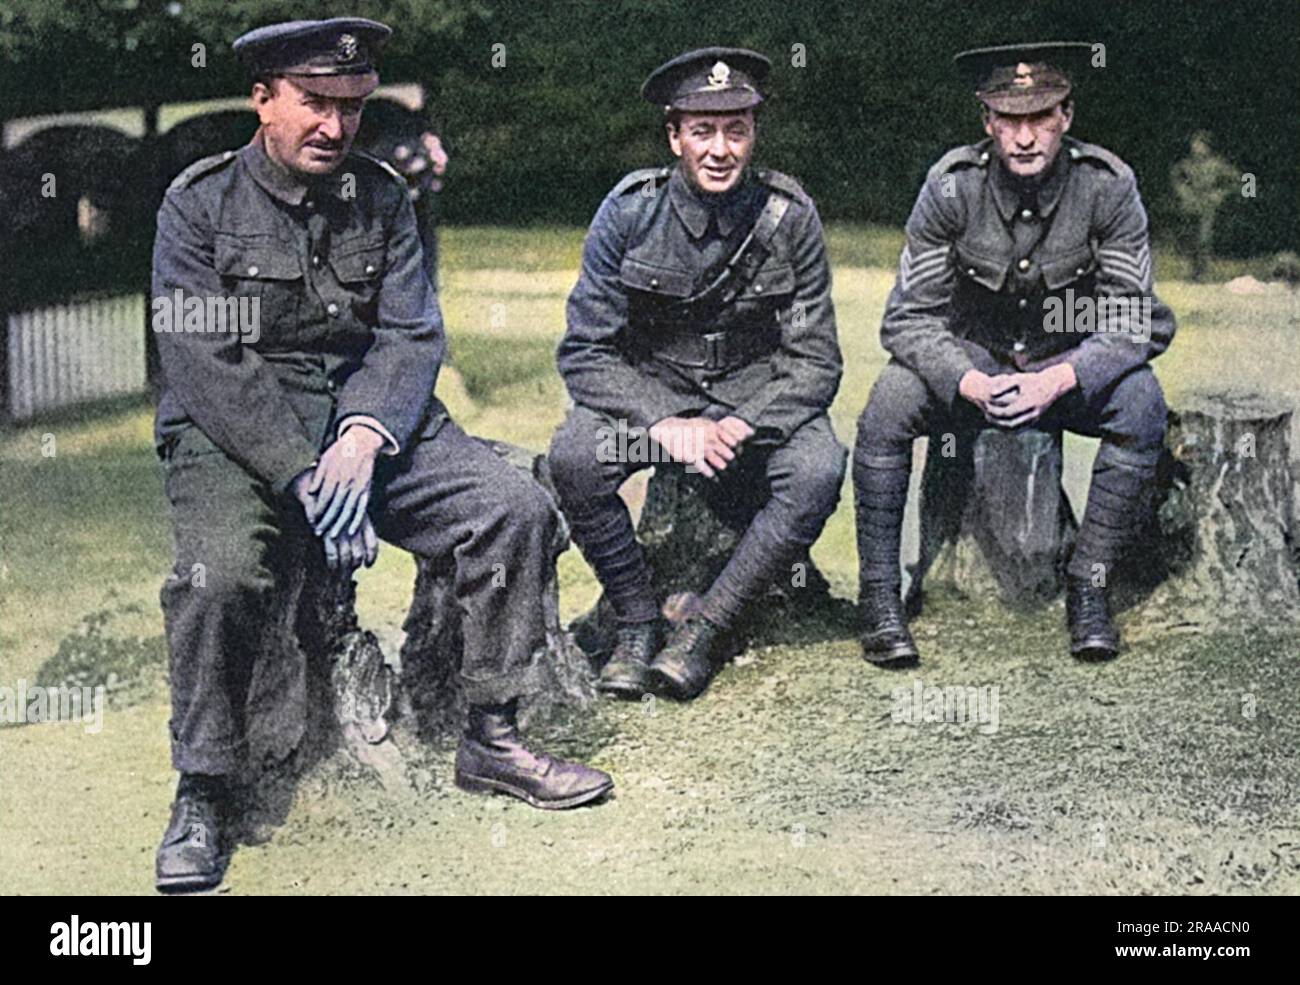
(1094, 650)
(667, 686)
(187, 884)
(624, 689)
(482, 784)
(899, 655)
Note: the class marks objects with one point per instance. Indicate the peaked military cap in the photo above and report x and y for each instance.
(1023, 78)
(708, 80)
(336, 57)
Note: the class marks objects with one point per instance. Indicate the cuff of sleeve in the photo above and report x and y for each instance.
(282, 483)
(391, 447)
(751, 412)
(945, 376)
(648, 415)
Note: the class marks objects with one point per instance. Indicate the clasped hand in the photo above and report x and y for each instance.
(702, 444)
(335, 494)
(1012, 399)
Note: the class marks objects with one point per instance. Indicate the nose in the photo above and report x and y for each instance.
(718, 145)
(331, 124)
(1024, 134)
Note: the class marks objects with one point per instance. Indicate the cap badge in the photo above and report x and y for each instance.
(1024, 76)
(346, 48)
(719, 75)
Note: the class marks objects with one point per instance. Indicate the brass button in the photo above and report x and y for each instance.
(1023, 264)
(654, 281)
(1026, 214)
(970, 271)
(758, 288)
(1019, 347)
(1078, 271)
(704, 383)
(330, 386)
(315, 261)
(1024, 303)
(252, 271)
(310, 204)
(370, 268)
(332, 308)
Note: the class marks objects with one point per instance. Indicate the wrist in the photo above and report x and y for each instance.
(364, 438)
(1065, 378)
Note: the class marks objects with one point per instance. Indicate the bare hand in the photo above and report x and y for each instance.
(734, 431)
(349, 551)
(341, 483)
(984, 391)
(1027, 396)
(695, 442)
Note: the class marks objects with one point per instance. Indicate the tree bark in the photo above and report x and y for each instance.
(995, 522)
(328, 689)
(1223, 548)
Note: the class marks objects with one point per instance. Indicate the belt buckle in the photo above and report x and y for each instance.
(1020, 355)
(715, 348)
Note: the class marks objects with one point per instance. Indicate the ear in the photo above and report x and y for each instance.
(1068, 117)
(262, 96)
(987, 119)
(674, 138)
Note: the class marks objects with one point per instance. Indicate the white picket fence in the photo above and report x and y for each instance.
(66, 354)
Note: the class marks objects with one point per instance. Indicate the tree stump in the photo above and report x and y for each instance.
(1223, 549)
(325, 687)
(689, 528)
(995, 521)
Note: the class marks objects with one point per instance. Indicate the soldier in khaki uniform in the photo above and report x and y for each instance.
(315, 426)
(702, 320)
(984, 328)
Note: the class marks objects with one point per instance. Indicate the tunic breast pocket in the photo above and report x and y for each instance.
(654, 292)
(358, 266)
(266, 272)
(1072, 268)
(767, 295)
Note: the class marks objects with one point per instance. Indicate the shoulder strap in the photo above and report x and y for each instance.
(744, 264)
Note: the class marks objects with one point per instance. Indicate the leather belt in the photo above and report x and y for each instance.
(717, 352)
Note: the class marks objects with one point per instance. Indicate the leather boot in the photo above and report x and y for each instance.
(886, 640)
(1093, 636)
(685, 666)
(627, 674)
(189, 857)
(493, 759)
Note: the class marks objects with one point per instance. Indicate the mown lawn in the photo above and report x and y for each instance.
(792, 741)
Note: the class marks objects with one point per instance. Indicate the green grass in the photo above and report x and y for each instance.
(792, 739)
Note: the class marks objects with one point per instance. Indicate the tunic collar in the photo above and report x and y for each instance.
(695, 208)
(281, 183)
(1041, 194)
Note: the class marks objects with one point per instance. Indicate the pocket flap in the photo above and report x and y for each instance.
(642, 276)
(1068, 267)
(777, 278)
(359, 264)
(986, 272)
(258, 260)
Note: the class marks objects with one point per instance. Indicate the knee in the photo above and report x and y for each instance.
(522, 512)
(818, 478)
(894, 410)
(825, 480)
(1139, 414)
(574, 461)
